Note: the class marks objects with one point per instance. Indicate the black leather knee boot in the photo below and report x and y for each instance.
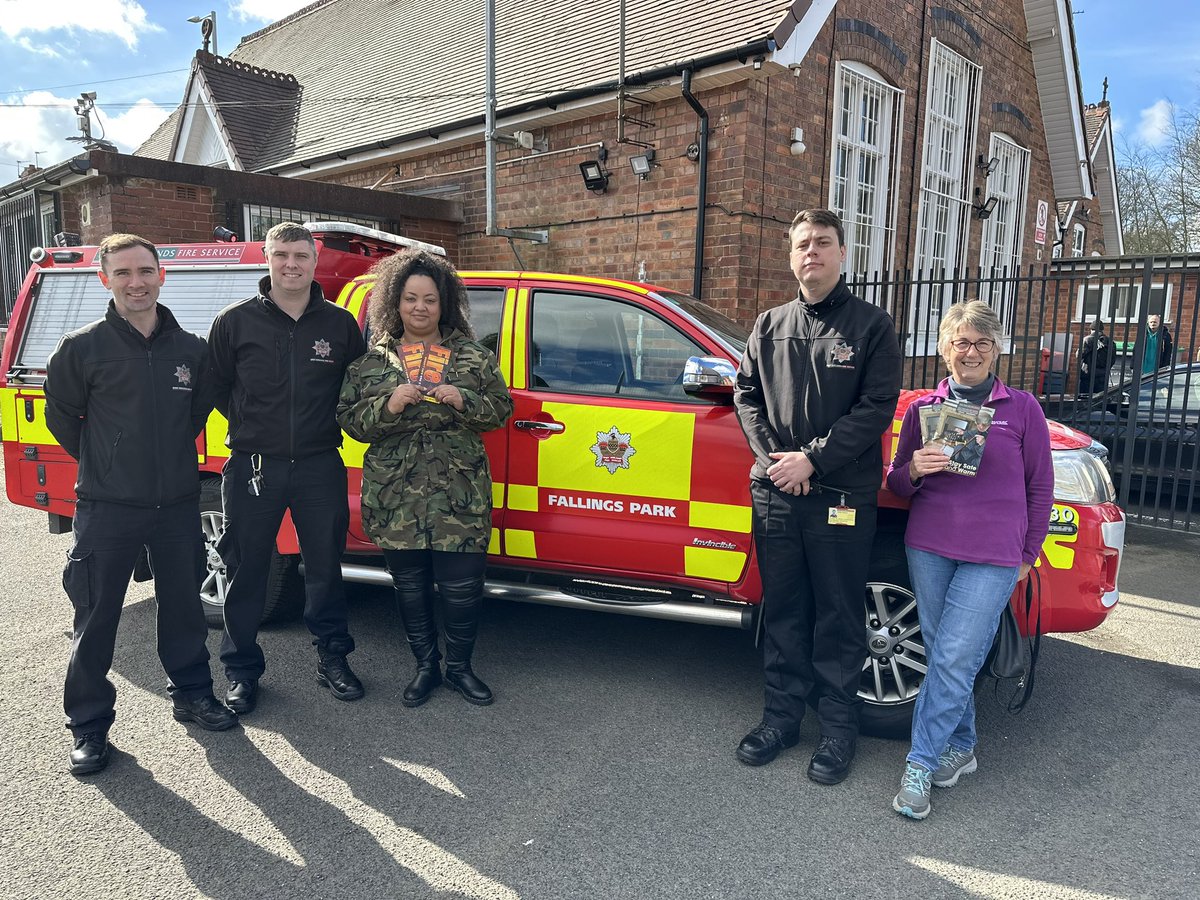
(416, 612)
(463, 600)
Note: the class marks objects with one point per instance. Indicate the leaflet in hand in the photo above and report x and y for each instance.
(425, 365)
(959, 429)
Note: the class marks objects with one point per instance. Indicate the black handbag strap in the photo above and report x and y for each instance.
(1025, 685)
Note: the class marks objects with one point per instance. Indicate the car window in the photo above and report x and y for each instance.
(487, 304)
(587, 344)
(1178, 392)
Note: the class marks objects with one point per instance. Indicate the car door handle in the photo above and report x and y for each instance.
(530, 425)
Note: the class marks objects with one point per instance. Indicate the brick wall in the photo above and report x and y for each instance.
(755, 184)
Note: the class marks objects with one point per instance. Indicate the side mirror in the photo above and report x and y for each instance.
(709, 376)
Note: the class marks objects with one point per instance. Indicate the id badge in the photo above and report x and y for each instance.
(842, 514)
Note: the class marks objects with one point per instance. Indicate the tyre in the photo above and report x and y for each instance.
(896, 664)
(285, 589)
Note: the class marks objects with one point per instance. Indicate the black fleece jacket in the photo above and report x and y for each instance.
(823, 379)
(276, 379)
(129, 408)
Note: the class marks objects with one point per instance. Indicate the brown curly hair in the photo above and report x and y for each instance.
(391, 274)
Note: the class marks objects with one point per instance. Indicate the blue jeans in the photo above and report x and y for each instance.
(959, 604)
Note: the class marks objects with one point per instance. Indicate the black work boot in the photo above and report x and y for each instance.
(334, 673)
(463, 600)
(416, 612)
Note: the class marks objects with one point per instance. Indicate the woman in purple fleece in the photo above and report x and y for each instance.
(970, 541)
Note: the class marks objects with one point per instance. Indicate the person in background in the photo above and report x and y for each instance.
(426, 485)
(1095, 357)
(277, 362)
(816, 389)
(969, 542)
(126, 396)
(1157, 342)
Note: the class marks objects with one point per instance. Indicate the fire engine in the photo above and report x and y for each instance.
(620, 482)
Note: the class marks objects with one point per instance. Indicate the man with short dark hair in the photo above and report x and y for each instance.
(126, 397)
(1095, 356)
(277, 361)
(816, 389)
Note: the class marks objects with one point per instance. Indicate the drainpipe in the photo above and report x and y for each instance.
(702, 199)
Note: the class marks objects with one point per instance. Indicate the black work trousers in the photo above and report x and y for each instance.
(814, 578)
(108, 540)
(314, 491)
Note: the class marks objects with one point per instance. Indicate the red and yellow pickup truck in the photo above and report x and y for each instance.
(621, 480)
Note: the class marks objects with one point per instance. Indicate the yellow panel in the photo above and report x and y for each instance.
(660, 465)
(8, 411)
(352, 452)
(34, 432)
(523, 497)
(497, 497)
(506, 330)
(721, 516)
(214, 434)
(719, 565)
(519, 543)
(494, 542)
(520, 361)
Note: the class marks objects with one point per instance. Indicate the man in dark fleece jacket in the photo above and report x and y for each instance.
(277, 362)
(817, 387)
(126, 396)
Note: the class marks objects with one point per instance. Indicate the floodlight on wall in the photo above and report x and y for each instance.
(798, 146)
(984, 208)
(595, 179)
(642, 163)
(987, 166)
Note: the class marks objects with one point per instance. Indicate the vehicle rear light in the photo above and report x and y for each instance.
(1113, 535)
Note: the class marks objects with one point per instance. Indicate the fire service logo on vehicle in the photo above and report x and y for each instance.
(184, 374)
(612, 449)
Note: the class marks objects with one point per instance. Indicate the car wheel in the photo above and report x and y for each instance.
(285, 590)
(896, 664)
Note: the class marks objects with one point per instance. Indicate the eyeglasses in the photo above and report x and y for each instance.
(984, 345)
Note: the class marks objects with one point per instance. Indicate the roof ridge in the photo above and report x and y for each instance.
(303, 11)
(207, 59)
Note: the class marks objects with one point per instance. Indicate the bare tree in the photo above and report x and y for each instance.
(1160, 195)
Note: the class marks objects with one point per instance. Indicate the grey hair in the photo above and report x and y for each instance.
(973, 314)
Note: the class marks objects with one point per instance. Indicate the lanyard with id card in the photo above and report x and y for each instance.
(842, 514)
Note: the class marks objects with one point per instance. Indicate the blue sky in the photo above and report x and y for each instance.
(135, 56)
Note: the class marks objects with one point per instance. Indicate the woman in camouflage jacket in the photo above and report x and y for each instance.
(426, 486)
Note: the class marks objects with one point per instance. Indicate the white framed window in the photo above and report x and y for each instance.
(951, 119)
(1120, 304)
(1078, 239)
(1000, 248)
(867, 115)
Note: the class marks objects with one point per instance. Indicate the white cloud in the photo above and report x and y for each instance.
(122, 19)
(1155, 122)
(266, 10)
(40, 124)
(29, 46)
(130, 129)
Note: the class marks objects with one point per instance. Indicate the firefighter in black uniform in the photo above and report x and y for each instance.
(817, 388)
(277, 363)
(126, 396)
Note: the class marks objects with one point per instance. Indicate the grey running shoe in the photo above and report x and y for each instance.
(913, 799)
(953, 763)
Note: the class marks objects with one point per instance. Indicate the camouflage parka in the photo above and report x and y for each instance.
(426, 482)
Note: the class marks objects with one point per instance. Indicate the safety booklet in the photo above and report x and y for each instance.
(425, 365)
(959, 429)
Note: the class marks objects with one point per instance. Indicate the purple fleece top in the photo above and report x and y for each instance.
(1001, 515)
